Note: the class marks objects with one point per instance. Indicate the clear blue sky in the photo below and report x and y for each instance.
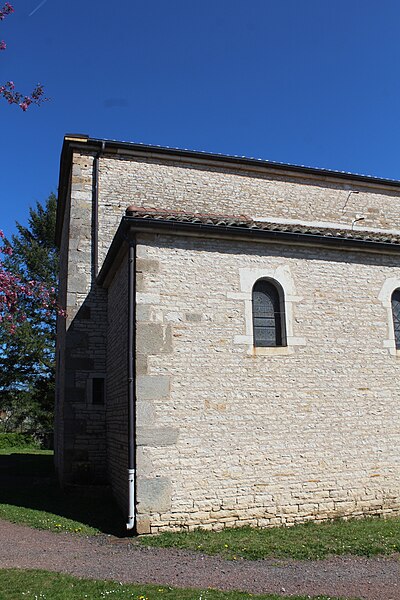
(312, 82)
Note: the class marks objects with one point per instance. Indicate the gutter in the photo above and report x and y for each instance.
(257, 235)
(131, 386)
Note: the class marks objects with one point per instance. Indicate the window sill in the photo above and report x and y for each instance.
(271, 351)
(389, 345)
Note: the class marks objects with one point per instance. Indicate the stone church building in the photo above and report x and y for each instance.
(231, 353)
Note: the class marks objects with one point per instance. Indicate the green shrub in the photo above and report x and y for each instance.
(17, 440)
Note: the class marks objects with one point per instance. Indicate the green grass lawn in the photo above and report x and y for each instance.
(366, 537)
(16, 584)
(30, 495)
(25, 450)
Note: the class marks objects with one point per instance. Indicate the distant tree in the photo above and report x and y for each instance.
(27, 335)
(18, 289)
(8, 90)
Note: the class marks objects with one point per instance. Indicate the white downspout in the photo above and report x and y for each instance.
(131, 499)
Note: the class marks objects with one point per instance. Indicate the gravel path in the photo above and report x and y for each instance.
(110, 558)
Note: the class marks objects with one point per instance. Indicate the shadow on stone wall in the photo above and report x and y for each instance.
(29, 481)
(83, 416)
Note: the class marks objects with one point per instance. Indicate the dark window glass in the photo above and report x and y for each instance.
(98, 390)
(268, 317)
(396, 316)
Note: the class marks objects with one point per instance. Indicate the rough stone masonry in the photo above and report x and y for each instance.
(227, 433)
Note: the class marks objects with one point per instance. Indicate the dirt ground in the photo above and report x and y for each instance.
(107, 557)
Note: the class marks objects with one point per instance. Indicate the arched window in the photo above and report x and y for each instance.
(396, 316)
(268, 314)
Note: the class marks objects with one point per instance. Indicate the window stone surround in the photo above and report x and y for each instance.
(385, 296)
(283, 276)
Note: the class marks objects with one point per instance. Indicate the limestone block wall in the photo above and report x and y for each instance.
(228, 437)
(81, 346)
(258, 193)
(117, 385)
(153, 388)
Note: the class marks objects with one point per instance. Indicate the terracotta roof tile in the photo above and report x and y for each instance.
(243, 221)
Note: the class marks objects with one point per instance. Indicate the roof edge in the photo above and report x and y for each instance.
(218, 157)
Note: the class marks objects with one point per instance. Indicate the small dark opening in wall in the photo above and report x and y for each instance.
(84, 313)
(98, 390)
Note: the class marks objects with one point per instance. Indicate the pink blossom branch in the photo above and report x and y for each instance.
(8, 92)
(5, 11)
(14, 291)
(8, 89)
